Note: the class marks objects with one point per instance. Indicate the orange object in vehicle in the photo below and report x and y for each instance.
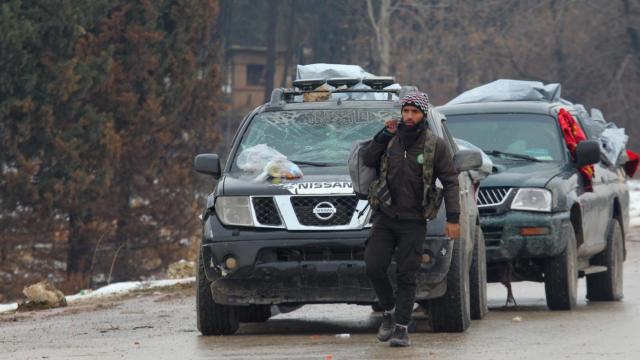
(573, 134)
(631, 166)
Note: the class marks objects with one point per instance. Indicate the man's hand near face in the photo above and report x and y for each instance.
(391, 125)
(452, 230)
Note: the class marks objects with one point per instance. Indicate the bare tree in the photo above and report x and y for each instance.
(272, 51)
(380, 25)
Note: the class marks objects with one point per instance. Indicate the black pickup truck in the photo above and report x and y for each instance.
(538, 221)
(273, 241)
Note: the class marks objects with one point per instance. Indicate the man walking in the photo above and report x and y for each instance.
(402, 202)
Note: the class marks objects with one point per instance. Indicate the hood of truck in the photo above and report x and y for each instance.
(522, 174)
(318, 184)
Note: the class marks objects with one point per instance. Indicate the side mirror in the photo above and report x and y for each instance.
(465, 160)
(208, 164)
(587, 153)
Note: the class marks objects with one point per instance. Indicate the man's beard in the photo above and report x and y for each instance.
(409, 134)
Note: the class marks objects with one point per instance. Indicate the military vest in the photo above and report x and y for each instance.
(380, 195)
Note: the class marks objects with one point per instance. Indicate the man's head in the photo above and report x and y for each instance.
(415, 106)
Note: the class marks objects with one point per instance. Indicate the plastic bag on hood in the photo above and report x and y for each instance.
(267, 161)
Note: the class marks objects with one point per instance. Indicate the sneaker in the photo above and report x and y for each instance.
(386, 328)
(400, 336)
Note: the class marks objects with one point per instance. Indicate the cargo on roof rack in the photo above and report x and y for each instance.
(373, 82)
(341, 89)
(510, 90)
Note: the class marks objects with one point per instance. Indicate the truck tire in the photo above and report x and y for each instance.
(478, 278)
(607, 286)
(450, 312)
(561, 276)
(377, 307)
(212, 318)
(254, 313)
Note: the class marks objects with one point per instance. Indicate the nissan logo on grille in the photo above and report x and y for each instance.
(324, 210)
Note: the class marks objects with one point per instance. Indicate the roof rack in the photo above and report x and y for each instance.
(309, 84)
(342, 81)
(379, 82)
(375, 82)
(343, 85)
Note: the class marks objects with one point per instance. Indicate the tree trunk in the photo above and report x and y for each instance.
(79, 252)
(382, 34)
(123, 270)
(385, 38)
(461, 85)
(633, 37)
(557, 8)
(272, 52)
(291, 24)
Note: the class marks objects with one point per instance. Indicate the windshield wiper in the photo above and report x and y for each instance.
(316, 163)
(511, 155)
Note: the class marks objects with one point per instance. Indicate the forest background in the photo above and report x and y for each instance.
(104, 103)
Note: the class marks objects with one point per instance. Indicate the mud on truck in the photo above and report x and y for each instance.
(272, 243)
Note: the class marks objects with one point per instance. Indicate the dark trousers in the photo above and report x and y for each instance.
(405, 238)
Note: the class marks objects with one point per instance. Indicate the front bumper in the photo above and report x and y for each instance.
(279, 266)
(504, 242)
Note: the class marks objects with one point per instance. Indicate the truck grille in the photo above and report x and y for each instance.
(493, 196)
(330, 210)
(266, 211)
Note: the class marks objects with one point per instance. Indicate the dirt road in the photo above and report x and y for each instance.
(161, 325)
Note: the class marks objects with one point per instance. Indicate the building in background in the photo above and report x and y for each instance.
(246, 76)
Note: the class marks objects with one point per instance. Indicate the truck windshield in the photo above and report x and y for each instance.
(529, 135)
(314, 137)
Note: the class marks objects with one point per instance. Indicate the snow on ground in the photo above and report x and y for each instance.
(634, 202)
(8, 307)
(127, 287)
(113, 289)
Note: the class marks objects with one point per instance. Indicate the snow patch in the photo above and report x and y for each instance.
(114, 289)
(8, 307)
(634, 202)
(127, 287)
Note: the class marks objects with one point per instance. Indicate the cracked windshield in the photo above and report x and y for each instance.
(314, 137)
(513, 136)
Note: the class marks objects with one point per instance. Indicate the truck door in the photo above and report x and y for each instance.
(596, 211)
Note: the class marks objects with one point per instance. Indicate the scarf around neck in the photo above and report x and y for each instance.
(409, 135)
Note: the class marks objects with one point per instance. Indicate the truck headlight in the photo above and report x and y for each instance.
(532, 199)
(234, 210)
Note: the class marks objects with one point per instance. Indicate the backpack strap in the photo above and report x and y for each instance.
(379, 192)
(430, 140)
(432, 195)
(384, 162)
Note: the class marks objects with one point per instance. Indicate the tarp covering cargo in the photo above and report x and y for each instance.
(328, 71)
(612, 143)
(509, 90)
